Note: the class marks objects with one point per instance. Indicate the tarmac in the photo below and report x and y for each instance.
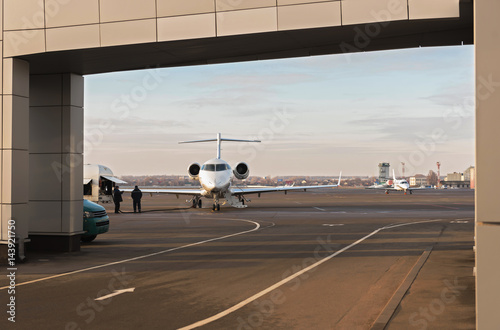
(329, 259)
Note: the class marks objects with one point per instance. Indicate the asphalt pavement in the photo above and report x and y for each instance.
(334, 259)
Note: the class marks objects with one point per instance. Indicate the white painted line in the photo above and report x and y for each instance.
(257, 226)
(409, 223)
(333, 224)
(291, 277)
(116, 293)
(459, 221)
(317, 208)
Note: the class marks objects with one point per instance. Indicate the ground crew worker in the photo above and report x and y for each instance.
(136, 198)
(117, 198)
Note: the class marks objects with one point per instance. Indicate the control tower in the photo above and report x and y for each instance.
(383, 172)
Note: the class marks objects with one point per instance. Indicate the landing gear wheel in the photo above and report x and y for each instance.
(199, 203)
(218, 207)
(213, 207)
(194, 203)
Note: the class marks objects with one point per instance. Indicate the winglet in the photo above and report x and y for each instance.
(340, 177)
(394, 174)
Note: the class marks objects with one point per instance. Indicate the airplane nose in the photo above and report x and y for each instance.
(219, 185)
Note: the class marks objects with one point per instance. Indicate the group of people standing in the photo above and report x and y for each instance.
(136, 195)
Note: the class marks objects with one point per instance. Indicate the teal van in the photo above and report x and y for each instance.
(95, 220)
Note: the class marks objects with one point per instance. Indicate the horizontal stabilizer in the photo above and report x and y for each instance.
(215, 140)
(219, 139)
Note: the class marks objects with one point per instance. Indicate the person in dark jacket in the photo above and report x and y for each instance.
(136, 198)
(117, 198)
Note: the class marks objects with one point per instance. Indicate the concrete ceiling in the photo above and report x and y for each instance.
(271, 45)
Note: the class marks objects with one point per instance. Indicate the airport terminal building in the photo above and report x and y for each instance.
(461, 180)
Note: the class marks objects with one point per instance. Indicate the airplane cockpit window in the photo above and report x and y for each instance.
(220, 167)
(208, 167)
(214, 167)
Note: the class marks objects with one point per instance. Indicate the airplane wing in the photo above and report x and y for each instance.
(245, 191)
(191, 192)
(391, 188)
(380, 186)
(260, 190)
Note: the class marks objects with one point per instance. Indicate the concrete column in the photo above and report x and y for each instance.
(56, 162)
(14, 150)
(487, 41)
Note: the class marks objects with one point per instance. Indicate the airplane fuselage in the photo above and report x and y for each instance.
(401, 185)
(215, 177)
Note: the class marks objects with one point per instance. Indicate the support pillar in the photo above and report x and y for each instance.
(14, 153)
(56, 162)
(487, 41)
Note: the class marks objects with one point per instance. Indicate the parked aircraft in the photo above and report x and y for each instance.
(215, 176)
(394, 185)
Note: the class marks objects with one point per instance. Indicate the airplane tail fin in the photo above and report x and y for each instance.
(394, 175)
(340, 177)
(219, 139)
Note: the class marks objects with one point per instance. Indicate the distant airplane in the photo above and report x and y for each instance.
(215, 179)
(394, 185)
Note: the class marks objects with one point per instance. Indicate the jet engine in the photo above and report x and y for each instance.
(194, 171)
(241, 171)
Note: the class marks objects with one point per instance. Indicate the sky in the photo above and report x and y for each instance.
(314, 115)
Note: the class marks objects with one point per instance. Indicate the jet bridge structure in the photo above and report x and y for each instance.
(49, 46)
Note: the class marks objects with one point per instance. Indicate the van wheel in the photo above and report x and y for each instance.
(88, 239)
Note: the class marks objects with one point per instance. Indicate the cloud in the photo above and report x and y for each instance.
(131, 125)
(413, 130)
(275, 78)
(455, 95)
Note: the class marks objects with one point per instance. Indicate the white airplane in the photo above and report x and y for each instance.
(394, 185)
(215, 179)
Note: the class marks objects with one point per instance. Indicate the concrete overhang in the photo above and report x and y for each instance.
(262, 46)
